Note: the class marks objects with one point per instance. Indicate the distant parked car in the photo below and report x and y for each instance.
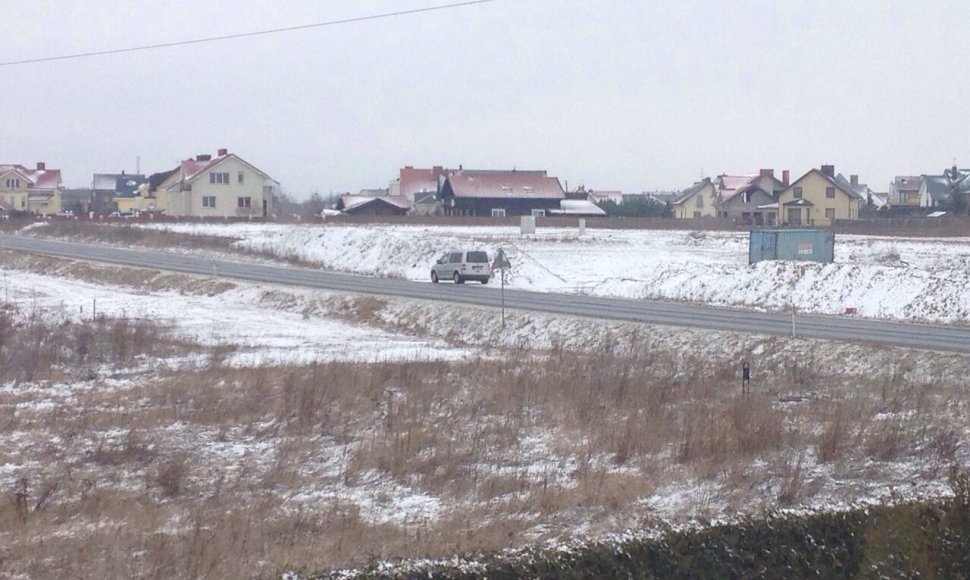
(461, 266)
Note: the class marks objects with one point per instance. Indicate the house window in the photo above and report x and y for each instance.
(700, 200)
(208, 201)
(239, 178)
(830, 193)
(506, 189)
(13, 183)
(498, 212)
(538, 213)
(218, 178)
(798, 193)
(529, 189)
(830, 213)
(244, 202)
(697, 214)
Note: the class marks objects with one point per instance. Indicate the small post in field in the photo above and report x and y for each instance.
(502, 263)
(745, 378)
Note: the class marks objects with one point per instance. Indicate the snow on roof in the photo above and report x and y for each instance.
(415, 180)
(505, 184)
(349, 202)
(37, 178)
(190, 169)
(878, 200)
(105, 181)
(578, 207)
(690, 191)
(731, 185)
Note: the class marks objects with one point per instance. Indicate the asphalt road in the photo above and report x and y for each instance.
(930, 337)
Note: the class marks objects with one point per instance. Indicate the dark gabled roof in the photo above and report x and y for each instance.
(860, 189)
(690, 191)
(156, 179)
(941, 187)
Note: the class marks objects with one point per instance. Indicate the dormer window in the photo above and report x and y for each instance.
(529, 189)
(507, 189)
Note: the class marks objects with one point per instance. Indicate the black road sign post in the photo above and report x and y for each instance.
(745, 378)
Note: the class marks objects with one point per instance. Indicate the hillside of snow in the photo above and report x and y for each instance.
(902, 278)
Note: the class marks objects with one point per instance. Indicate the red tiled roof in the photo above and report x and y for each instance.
(505, 184)
(189, 169)
(415, 180)
(37, 178)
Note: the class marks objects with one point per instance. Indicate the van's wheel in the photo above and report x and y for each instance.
(484, 281)
(434, 277)
(457, 278)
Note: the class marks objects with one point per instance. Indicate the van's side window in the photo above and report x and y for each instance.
(455, 258)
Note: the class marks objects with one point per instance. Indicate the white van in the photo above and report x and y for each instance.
(461, 266)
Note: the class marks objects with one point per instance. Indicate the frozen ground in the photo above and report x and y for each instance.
(920, 396)
(263, 325)
(901, 278)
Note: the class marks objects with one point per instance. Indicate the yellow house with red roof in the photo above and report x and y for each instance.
(30, 190)
(224, 185)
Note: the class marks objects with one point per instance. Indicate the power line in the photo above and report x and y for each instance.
(245, 34)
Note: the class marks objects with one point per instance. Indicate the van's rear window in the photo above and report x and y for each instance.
(479, 257)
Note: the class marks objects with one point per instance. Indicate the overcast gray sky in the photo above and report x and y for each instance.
(623, 94)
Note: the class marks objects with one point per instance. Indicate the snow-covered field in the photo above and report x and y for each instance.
(902, 278)
(845, 424)
(263, 325)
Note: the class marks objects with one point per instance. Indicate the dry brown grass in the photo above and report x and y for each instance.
(225, 472)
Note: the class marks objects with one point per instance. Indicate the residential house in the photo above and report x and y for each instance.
(871, 200)
(944, 191)
(819, 198)
(500, 193)
(904, 191)
(373, 202)
(697, 201)
(76, 200)
(111, 191)
(31, 190)
(749, 199)
(420, 187)
(224, 185)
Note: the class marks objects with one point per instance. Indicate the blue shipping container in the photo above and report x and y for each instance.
(810, 245)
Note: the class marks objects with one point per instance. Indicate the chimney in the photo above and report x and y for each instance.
(41, 166)
(828, 170)
(203, 157)
(854, 179)
(785, 178)
(409, 167)
(223, 152)
(767, 173)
